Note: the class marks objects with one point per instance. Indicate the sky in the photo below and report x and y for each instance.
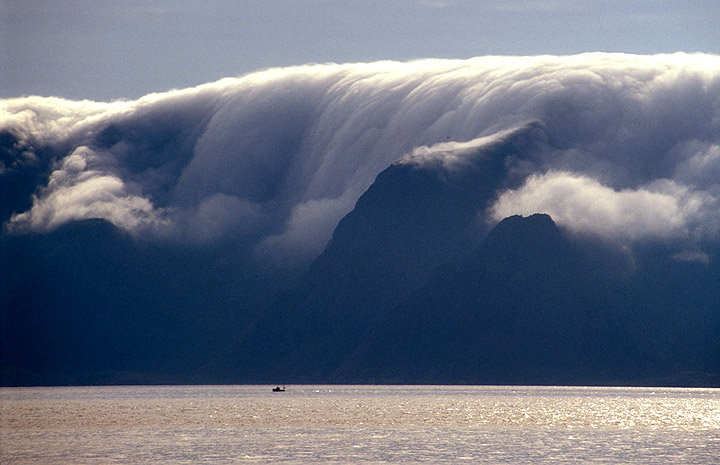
(106, 50)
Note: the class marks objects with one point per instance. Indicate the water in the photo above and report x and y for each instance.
(358, 424)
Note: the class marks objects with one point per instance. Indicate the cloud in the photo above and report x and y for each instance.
(220, 216)
(79, 188)
(692, 256)
(276, 158)
(308, 229)
(661, 210)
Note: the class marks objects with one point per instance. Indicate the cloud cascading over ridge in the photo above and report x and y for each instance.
(631, 147)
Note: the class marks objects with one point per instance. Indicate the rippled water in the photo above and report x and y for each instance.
(358, 424)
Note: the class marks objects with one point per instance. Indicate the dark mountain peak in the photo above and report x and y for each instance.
(537, 219)
(532, 238)
(422, 210)
(525, 227)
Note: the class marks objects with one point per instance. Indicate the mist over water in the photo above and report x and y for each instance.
(359, 424)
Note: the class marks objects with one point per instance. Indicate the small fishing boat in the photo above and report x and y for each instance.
(279, 389)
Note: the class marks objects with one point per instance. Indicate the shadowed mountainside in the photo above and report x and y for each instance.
(404, 293)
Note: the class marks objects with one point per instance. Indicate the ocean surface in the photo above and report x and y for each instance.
(358, 424)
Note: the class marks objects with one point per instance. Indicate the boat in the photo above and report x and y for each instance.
(279, 389)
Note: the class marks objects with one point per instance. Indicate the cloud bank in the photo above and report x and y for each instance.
(274, 159)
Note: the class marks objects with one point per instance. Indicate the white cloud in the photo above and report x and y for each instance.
(699, 164)
(692, 256)
(661, 210)
(220, 216)
(308, 229)
(80, 189)
(279, 156)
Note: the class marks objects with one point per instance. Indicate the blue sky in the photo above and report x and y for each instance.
(105, 49)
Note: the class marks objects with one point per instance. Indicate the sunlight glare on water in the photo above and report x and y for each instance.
(358, 424)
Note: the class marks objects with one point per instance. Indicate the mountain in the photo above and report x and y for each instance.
(531, 304)
(88, 304)
(523, 308)
(419, 213)
(412, 288)
(491, 220)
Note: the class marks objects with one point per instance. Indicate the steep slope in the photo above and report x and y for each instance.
(532, 306)
(520, 309)
(87, 304)
(419, 213)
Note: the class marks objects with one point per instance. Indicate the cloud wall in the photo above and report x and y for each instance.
(631, 148)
